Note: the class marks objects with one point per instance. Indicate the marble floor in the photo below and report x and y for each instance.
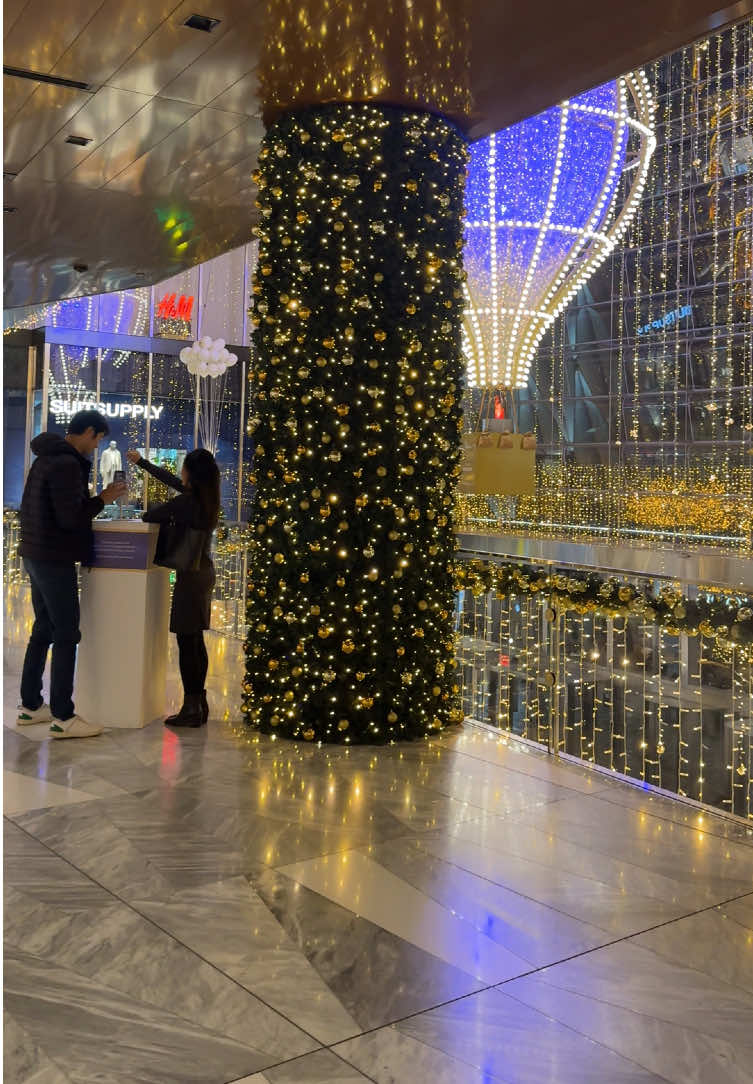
(212, 907)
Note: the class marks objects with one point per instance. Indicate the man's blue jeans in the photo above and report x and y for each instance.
(54, 596)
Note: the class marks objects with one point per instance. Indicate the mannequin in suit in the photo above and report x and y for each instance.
(109, 463)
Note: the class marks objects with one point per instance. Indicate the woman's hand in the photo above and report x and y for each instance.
(133, 457)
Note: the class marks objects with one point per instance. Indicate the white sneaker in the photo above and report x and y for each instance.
(26, 717)
(75, 727)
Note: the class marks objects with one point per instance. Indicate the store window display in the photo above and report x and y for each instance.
(110, 462)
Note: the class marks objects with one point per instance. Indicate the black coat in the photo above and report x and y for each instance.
(191, 609)
(56, 509)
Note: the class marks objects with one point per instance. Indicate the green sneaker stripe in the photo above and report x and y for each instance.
(57, 729)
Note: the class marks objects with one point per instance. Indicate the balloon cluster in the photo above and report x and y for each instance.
(207, 357)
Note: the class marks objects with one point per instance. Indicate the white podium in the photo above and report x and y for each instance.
(125, 606)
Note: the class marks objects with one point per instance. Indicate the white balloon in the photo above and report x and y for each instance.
(220, 343)
(185, 354)
(205, 341)
(232, 359)
(193, 367)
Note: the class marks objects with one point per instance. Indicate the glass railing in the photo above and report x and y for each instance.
(646, 674)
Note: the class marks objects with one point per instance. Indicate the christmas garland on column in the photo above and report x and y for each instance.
(356, 424)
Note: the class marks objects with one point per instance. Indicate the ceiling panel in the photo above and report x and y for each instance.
(221, 187)
(216, 70)
(193, 137)
(104, 113)
(241, 201)
(241, 97)
(171, 49)
(12, 10)
(114, 34)
(242, 142)
(175, 120)
(155, 122)
(41, 116)
(16, 92)
(107, 222)
(38, 40)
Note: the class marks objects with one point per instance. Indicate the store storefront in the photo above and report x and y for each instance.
(120, 353)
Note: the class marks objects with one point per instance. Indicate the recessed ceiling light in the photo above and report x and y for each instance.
(202, 22)
(79, 141)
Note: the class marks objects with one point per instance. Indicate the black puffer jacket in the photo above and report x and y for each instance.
(56, 509)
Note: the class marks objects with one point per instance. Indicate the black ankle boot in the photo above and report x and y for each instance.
(191, 714)
(204, 707)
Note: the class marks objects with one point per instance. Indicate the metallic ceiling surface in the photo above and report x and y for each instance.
(175, 116)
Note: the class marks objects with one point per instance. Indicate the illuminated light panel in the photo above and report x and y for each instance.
(545, 205)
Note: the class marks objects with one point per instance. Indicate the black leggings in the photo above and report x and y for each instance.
(194, 662)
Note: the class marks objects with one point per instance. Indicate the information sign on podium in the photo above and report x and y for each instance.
(125, 605)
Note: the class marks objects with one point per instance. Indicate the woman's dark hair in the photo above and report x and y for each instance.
(204, 476)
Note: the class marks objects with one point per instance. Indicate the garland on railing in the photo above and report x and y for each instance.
(728, 618)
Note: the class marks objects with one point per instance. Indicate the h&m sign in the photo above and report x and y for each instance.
(172, 307)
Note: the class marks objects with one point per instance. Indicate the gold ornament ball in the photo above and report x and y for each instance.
(392, 717)
(343, 724)
(741, 769)
(373, 574)
(308, 735)
(660, 748)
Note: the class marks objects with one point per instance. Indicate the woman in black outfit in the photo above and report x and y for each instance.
(198, 506)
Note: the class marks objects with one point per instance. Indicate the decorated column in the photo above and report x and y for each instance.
(358, 303)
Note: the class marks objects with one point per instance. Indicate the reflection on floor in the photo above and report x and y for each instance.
(204, 907)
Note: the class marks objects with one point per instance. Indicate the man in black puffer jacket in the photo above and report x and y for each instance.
(56, 532)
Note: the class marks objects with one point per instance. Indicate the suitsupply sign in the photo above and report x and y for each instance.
(66, 408)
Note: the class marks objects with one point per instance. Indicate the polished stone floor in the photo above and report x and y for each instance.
(202, 907)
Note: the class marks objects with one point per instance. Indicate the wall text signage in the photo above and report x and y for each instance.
(667, 320)
(172, 307)
(68, 407)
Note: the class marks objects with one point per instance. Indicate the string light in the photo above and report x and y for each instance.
(676, 466)
(542, 216)
(356, 423)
